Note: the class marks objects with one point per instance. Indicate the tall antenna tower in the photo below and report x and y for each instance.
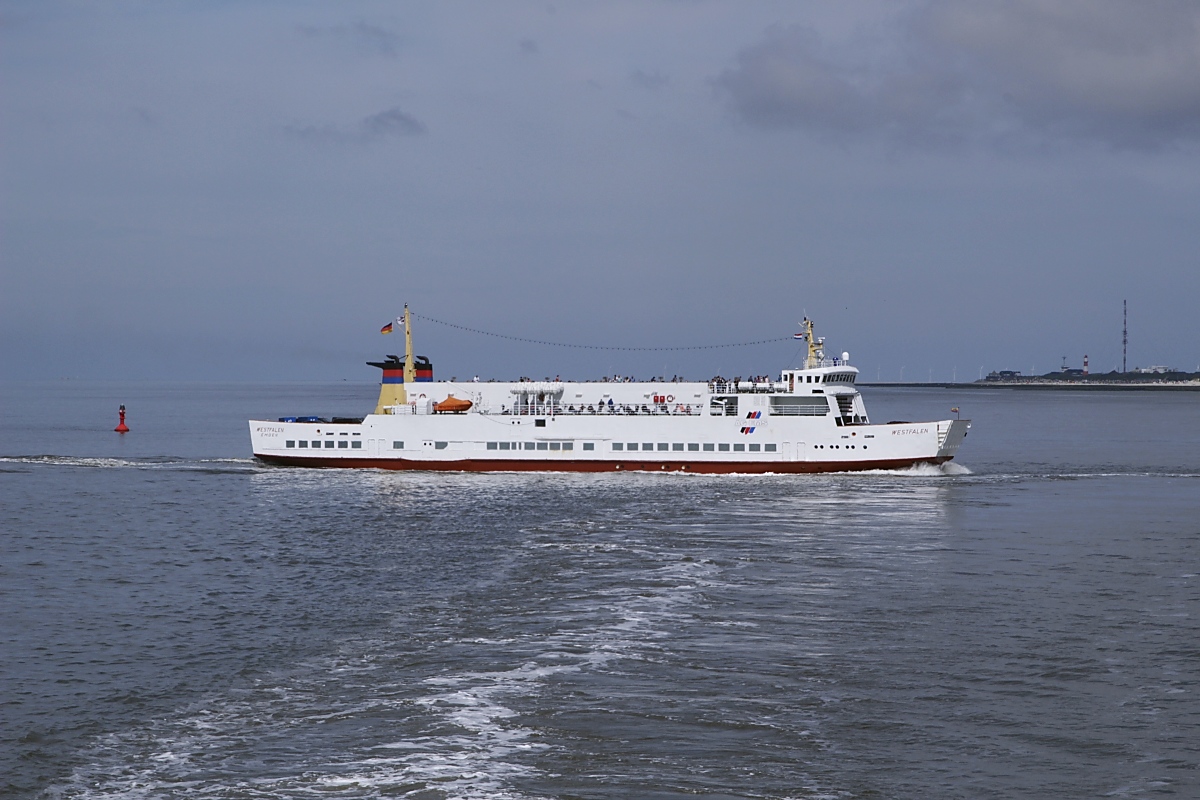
(1124, 333)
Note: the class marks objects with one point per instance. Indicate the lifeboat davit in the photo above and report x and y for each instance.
(451, 405)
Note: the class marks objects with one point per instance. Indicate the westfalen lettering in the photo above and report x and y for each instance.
(909, 431)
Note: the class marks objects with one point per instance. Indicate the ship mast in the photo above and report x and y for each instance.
(410, 369)
(816, 350)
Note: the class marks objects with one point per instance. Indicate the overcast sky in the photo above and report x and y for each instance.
(249, 190)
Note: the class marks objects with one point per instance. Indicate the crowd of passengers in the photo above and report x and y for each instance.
(603, 407)
(716, 380)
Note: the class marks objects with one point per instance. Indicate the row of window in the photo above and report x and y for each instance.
(677, 447)
(344, 444)
(538, 445)
(693, 447)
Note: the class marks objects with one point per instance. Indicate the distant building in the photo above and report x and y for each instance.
(1004, 375)
(1155, 370)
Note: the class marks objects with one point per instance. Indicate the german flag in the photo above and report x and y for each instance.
(386, 328)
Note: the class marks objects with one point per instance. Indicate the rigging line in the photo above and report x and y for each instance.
(594, 346)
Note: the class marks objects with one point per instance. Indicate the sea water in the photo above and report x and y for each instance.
(177, 620)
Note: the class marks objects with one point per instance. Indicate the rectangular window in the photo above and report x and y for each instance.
(529, 445)
(631, 446)
(356, 444)
(616, 446)
(397, 445)
(343, 445)
(739, 448)
(770, 448)
(329, 444)
(493, 445)
(754, 448)
(542, 445)
(555, 445)
(504, 445)
(708, 447)
(441, 445)
(693, 447)
(723, 406)
(799, 406)
(818, 379)
(303, 443)
(589, 445)
(290, 443)
(724, 448)
(648, 445)
(568, 445)
(539, 423)
(663, 446)
(677, 446)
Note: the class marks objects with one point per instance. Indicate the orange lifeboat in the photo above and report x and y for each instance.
(451, 405)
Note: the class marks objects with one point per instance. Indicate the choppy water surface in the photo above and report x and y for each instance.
(177, 621)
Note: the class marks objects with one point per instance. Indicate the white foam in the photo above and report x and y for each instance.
(478, 750)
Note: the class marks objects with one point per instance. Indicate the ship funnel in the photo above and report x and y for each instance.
(393, 391)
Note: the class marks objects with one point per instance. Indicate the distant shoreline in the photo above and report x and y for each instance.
(1193, 386)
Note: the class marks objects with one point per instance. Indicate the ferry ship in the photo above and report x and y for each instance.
(806, 420)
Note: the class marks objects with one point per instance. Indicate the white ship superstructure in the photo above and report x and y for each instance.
(804, 420)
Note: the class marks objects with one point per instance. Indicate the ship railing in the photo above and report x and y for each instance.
(597, 410)
(745, 387)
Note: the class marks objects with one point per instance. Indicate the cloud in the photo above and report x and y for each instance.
(362, 35)
(1126, 74)
(649, 80)
(390, 123)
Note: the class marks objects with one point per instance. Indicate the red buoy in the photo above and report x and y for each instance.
(121, 426)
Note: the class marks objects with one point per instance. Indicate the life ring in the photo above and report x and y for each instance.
(670, 398)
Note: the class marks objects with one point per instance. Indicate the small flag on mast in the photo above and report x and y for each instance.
(386, 328)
